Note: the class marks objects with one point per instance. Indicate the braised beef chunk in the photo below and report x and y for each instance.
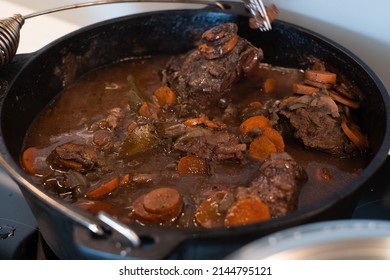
(71, 183)
(210, 144)
(278, 184)
(70, 156)
(200, 78)
(316, 122)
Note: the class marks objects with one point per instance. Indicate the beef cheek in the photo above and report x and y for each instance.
(278, 184)
(211, 145)
(315, 120)
(200, 80)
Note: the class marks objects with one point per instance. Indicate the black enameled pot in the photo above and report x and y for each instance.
(33, 80)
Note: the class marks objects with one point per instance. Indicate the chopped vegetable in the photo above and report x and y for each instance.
(192, 165)
(247, 210)
(144, 110)
(319, 76)
(29, 158)
(165, 96)
(140, 139)
(212, 52)
(135, 97)
(255, 105)
(162, 200)
(269, 85)
(196, 121)
(289, 99)
(344, 100)
(203, 119)
(218, 41)
(148, 110)
(262, 147)
(255, 108)
(275, 138)
(317, 80)
(171, 213)
(304, 89)
(354, 133)
(318, 84)
(211, 212)
(103, 189)
(343, 90)
(254, 122)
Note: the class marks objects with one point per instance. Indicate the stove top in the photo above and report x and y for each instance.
(20, 238)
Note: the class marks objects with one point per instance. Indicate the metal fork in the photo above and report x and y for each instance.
(257, 9)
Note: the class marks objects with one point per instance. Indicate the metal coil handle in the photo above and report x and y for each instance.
(9, 37)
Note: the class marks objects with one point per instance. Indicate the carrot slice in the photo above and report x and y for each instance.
(196, 121)
(354, 133)
(269, 85)
(304, 89)
(247, 210)
(147, 109)
(254, 122)
(324, 77)
(103, 189)
(255, 105)
(192, 165)
(140, 213)
(262, 147)
(289, 99)
(275, 138)
(29, 157)
(165, 96)
(162, 200)
(343, 90)
(318, 84)
(212, 52)
(343, 100)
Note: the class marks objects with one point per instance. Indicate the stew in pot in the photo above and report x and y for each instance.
(210, 138)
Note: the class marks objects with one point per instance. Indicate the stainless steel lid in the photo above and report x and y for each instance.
(334, 240)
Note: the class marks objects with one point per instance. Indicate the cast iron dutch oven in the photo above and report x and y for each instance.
(32, 81)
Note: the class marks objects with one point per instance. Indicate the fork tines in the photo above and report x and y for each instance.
(257, 9)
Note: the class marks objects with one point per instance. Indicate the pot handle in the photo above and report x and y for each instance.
(121, 242)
